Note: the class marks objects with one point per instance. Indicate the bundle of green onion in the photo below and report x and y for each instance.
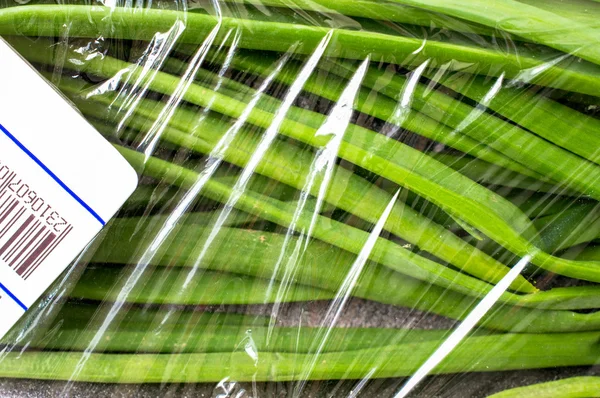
(407, 152)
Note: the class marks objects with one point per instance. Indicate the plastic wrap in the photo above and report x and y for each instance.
(338, 198)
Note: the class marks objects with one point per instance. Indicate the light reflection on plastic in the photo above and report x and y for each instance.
(404, 107)
(335, 125)
(529, 75)
(134, 277)
(343, 294)
(481, 107)
(464, 328)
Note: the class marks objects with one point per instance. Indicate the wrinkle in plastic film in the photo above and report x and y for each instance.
(349, 198)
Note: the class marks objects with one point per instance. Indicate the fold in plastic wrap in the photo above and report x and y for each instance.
(341, 198)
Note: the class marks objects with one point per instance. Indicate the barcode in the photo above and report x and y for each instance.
(25, 239)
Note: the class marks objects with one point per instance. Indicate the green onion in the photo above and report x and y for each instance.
(539, 205)
(286, 204)
(78, 316)
(483, 209)
(257, 253)
(147, 196)
(589, 253)
(384, 11)
(570, 227)
(327, 230)
(188, 287)
(574, 387)
(161, 172)
(431, 123)
(523, 20)
(496, 352)
(470, 207)
(562, 224)
(582, 11)
(209, 338)
(124, 23)
(541, 115)
(512, 141)
(290, 165)
(490, 174)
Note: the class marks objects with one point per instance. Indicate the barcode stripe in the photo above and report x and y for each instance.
(5, 201)
(48, 251)
(21, 241)
(12, 221)
(26, 241)
(31, 242)
(16, 235)
(11, 176)
(36, 253)
(6, 212)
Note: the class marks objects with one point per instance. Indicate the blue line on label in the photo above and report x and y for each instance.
(12, 296)
(51, 174)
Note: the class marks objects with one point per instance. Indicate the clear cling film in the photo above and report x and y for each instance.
(336, 198)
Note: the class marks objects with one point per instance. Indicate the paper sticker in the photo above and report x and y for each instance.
(60, 183)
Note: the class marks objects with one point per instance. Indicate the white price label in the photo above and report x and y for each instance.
(60, 182)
